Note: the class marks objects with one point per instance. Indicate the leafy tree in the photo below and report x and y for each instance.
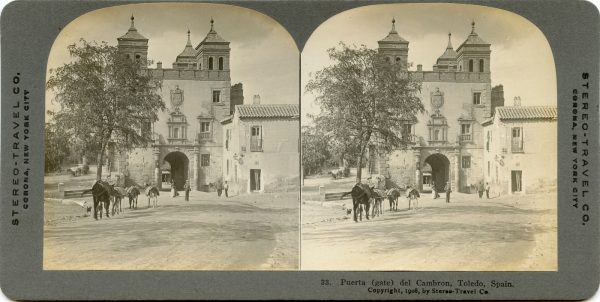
(314, 150)
(56, 148)
(104, 97)
(365, 100)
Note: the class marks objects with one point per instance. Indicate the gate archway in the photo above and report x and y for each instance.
(440, 170)
(179, 163)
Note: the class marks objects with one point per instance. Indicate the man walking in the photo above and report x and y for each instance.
(187, 190)
(480, 189)
(448, 191)
(226, 188)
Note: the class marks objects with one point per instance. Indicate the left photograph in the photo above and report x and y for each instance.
(172, 141)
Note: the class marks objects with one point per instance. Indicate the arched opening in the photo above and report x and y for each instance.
(220, 63)
(210, 63)
(439, 170)
(179, 168)
(480, 65)
(470, 65)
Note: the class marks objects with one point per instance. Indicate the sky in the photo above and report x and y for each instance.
(521, 57)
(264, 57)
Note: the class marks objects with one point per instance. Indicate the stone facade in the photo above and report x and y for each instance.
(447, 139)
(521, 149)
(261, 152)
(187, 138)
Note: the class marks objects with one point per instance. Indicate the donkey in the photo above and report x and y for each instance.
(152, 193)
(361, 195)
(132, 194)
(392, 195)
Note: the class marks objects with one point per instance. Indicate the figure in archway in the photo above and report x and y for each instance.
(179, 164)
(440, 171)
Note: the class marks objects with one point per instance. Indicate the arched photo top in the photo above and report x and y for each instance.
(521, 58)
(264, 57)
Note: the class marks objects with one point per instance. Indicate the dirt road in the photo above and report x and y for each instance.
(252, 232)
(516, 233)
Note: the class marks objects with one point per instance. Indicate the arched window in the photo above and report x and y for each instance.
(398, 60)
(220, 63)
(480, 65)
(470, 65)
(460, 67)
(210, 63)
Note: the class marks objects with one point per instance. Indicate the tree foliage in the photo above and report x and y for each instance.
(56, 149)
(314, 150)
(364, 100)
(103, 97)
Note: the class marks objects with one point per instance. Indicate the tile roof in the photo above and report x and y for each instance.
(526, 112)
(268, 111)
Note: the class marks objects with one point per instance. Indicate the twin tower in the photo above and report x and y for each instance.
(212, 53)
(473, 55)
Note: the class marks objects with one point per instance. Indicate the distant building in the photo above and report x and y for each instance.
(520, 149)
(187, 139)
(446, 142)
(261, 147)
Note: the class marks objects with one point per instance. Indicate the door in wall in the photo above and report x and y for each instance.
(516, 181)
(254, 179)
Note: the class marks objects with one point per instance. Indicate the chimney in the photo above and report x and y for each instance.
(517, 101)
(419, 67)
(256, 99)
(158, 65)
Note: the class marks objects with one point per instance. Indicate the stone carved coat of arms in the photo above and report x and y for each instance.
(437, 100)
(176, 98)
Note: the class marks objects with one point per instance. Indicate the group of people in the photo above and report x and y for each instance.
(222, 187)
(481, 188)
(447, 189)
(186, 188)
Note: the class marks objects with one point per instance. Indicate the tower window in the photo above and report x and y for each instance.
(398, 60)
(466, 162)
(205, 160)
(470, 65)
(137, 57)
(210, 63)
(481, 65)
(220, 63)
(476, 98)
(216, 97)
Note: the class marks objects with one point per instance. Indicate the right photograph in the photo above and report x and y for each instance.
(429, 141)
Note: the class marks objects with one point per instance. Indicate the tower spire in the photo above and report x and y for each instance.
(189, 41)
(212, 22)
(132, 23)
(449, 41)
(393, 26)
(473, 27)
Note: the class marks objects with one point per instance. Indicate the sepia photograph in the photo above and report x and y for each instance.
(429, 141)
(172, 141)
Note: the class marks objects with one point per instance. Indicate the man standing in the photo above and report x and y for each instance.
(480, 189)
(219, 187)
(448, 191)
(226, 188)
(187, 190)
(487, 190)
(434, 190)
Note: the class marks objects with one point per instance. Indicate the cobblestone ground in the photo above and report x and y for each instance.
(506, 233)
(248, 232)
